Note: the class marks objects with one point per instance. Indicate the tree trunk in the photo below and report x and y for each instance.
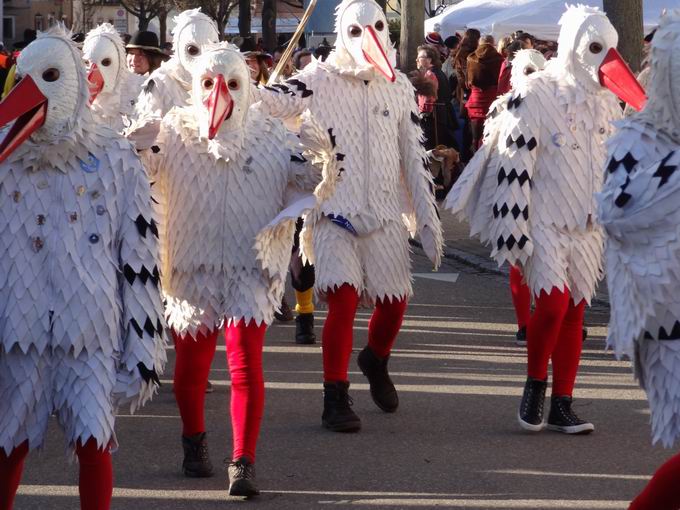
(162, 24)
(412, 33)
(244, 18)
(626, 16)
(269, 25)
(143, 23)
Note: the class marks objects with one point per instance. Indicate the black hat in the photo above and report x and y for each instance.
(144, 40)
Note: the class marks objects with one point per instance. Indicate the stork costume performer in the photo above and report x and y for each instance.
(170, 84)
(545, 153)
(463, 197)
(223, 169)
(638, 208)
(82, 325)
(360, 245)
(113, 88)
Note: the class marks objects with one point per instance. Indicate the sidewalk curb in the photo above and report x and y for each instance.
(485, 265)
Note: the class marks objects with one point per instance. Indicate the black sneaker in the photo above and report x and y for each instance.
(242, 478)
(382, 389)
(584, 334)
(284, 313)
(563, 419)
(521, 337)
(196, 462)
(337, 408)
(209, 387)
(530, 413)
(304, 329)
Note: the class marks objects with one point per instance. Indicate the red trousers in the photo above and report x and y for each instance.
(555, 332)
(95, 481)
(337, 330)
(661, 493)
(521, 297)
(244, 357)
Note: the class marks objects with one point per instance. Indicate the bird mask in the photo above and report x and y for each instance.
(193, 30)
(587, 49)
(104, 56)
(220, 90)
(49, 95)
(363, 34)
(525, 63)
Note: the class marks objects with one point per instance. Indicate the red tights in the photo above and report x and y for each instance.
(661, 493)
(95, 482)
(244, 356)
(337, 330)
(521, 296)
(555, 331)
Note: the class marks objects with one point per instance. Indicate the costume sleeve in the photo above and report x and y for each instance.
(144, 342)
(515, 167)
(418, 181)
(288, 99)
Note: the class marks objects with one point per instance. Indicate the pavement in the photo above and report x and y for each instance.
(454, 442)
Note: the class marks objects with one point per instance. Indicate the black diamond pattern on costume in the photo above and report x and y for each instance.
(514, 102)
(665, 171)
(628, 162)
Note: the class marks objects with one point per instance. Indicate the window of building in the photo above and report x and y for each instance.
(8, 27)
(39, 23)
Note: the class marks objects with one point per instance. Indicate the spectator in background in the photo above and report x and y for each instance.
(448, 69)
(504, 85)
(289, 69)
(435, 40)
(503, 44)
(302, 59)
(483, 70)
(322, 52)
(436, 111)
(259, 64)
(467, 46)
(144, 54)
(528, 39)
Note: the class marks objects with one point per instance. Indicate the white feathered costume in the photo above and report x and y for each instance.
(81, 323)
(225, 173)
(361, 238)
(170, 84)
(113, 88)
(639, 210)
(545, 152)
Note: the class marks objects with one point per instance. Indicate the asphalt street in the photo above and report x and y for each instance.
(454, 443)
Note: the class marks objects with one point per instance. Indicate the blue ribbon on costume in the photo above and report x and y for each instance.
(342, 222)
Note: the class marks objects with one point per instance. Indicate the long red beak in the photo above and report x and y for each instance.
(95, 82)
(617, 77)
(374, 53)
(219, 104)
(25, 105)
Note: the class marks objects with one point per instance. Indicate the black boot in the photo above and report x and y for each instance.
(521, 337)
(242, 478)
(382, 389)
(530, 413)
(337, 408)
(284, 313)
(196, 460)
(563, 419)
(304, 329)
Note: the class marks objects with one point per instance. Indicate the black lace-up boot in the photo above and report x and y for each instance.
(242, 478)
(196, 459)
(382, 389)
(563, 419)
(304, 329)
(337, 408)
(531, 408)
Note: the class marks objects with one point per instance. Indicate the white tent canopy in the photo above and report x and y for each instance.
(538, 17)
(457, 17)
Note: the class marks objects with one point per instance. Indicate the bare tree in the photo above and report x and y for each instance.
(412, 33)
(244, 18)
(626, 16)
(219, 10)
(145, 10)
(269, 25)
